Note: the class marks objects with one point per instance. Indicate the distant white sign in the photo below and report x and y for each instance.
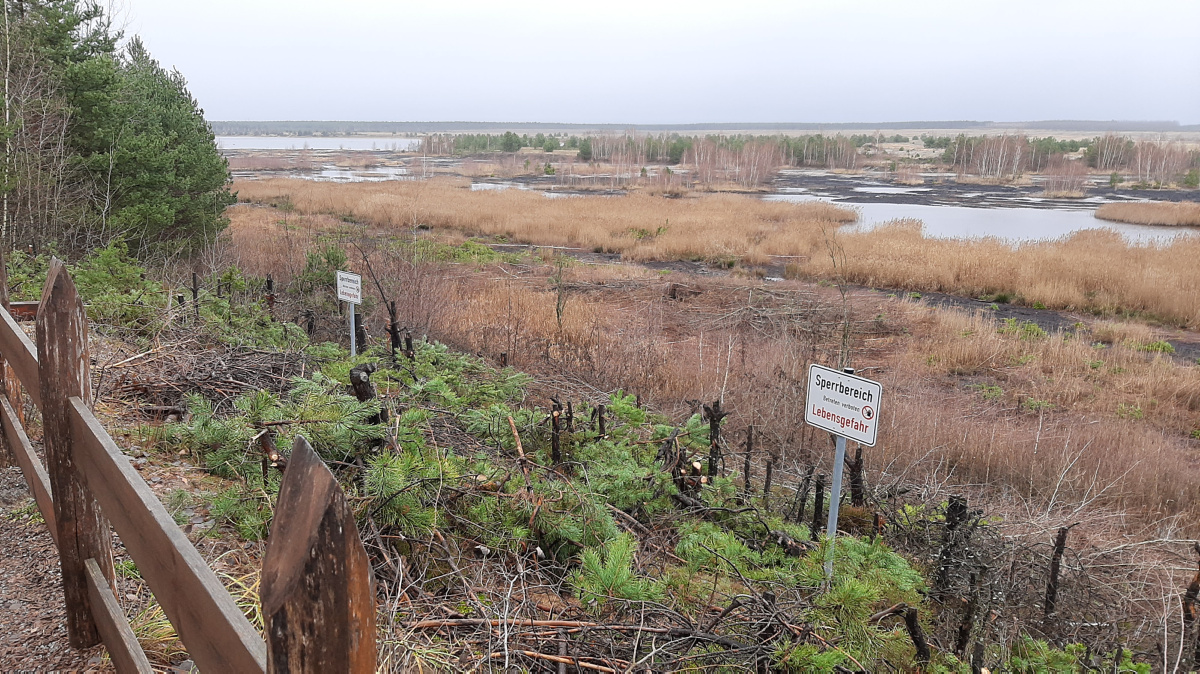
(349, 287)
(843, 404)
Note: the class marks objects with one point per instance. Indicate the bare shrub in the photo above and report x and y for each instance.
(1065, 177)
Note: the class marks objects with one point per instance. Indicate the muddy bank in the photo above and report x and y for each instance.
(943, 190)
(1186, 343)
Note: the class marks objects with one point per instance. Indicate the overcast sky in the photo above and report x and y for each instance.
(652, 61)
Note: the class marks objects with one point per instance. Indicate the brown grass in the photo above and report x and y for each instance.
(1180, 214)
(1039, 431)
(1071, 423)
(265, 241)
(1049, 420)
(709, 227)
(1092, 271)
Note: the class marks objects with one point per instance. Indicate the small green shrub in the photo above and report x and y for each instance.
(1130, 412)
(1036, 405)
(402, 485)
(1192, 179)
(176, 502)
(127, 569)
(1034, 656)
(1160, 346)
(989, 391)
(248, 512)
(605, 574)
(1021, 329)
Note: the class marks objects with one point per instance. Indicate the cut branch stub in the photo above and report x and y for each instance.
(1060, 544)
(317, 588)
(63, 372)
(913, 624)
(364, 390)
(818, 507)
(952, 553)
(714, 415)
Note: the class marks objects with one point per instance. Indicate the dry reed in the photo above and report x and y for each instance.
(1177, 214)
(1092, 271)
(639, 226)
(1051, 418)
(1040, 430)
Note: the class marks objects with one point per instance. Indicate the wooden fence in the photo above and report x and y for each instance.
(317, 590)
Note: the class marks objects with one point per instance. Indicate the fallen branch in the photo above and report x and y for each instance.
(555, 658)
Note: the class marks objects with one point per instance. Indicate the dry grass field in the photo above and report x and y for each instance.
(639, 226)
(1092, 271)
(1095, 426)
(1183, 213)
(1095, 416)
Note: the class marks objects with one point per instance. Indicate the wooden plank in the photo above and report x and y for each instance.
(24, 311)
(35, 473)
(122, 645)
(21, 354)
(7, 455)
(63, 372)
(218, 636)
(317, 595)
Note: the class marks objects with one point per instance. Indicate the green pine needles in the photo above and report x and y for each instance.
(414, 484)
(606, 574)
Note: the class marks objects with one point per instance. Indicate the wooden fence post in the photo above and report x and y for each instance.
(317, 588)
(7, 377)
(63, 372)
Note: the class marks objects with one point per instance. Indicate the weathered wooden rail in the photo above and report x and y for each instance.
(317, 589)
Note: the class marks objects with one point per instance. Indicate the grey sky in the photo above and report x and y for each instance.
(648, 61)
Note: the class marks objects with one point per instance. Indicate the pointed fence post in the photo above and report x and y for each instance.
(317, 589)
(63, 372)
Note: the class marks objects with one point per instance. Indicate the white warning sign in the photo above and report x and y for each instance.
(349, 287)
(843, 404)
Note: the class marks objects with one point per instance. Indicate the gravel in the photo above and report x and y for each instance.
(33, 633)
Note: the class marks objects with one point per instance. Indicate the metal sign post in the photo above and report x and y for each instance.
(835, 501)
(848, 407)
(349, 290)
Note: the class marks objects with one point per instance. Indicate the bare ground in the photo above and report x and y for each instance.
(33, 633)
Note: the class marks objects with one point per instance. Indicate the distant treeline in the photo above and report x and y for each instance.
(1151, 162)
(341, 128)
(732, 156)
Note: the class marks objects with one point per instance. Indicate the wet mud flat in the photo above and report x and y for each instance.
(943, 190)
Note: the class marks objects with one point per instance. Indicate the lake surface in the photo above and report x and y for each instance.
(317, 143)
(1012, 224)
